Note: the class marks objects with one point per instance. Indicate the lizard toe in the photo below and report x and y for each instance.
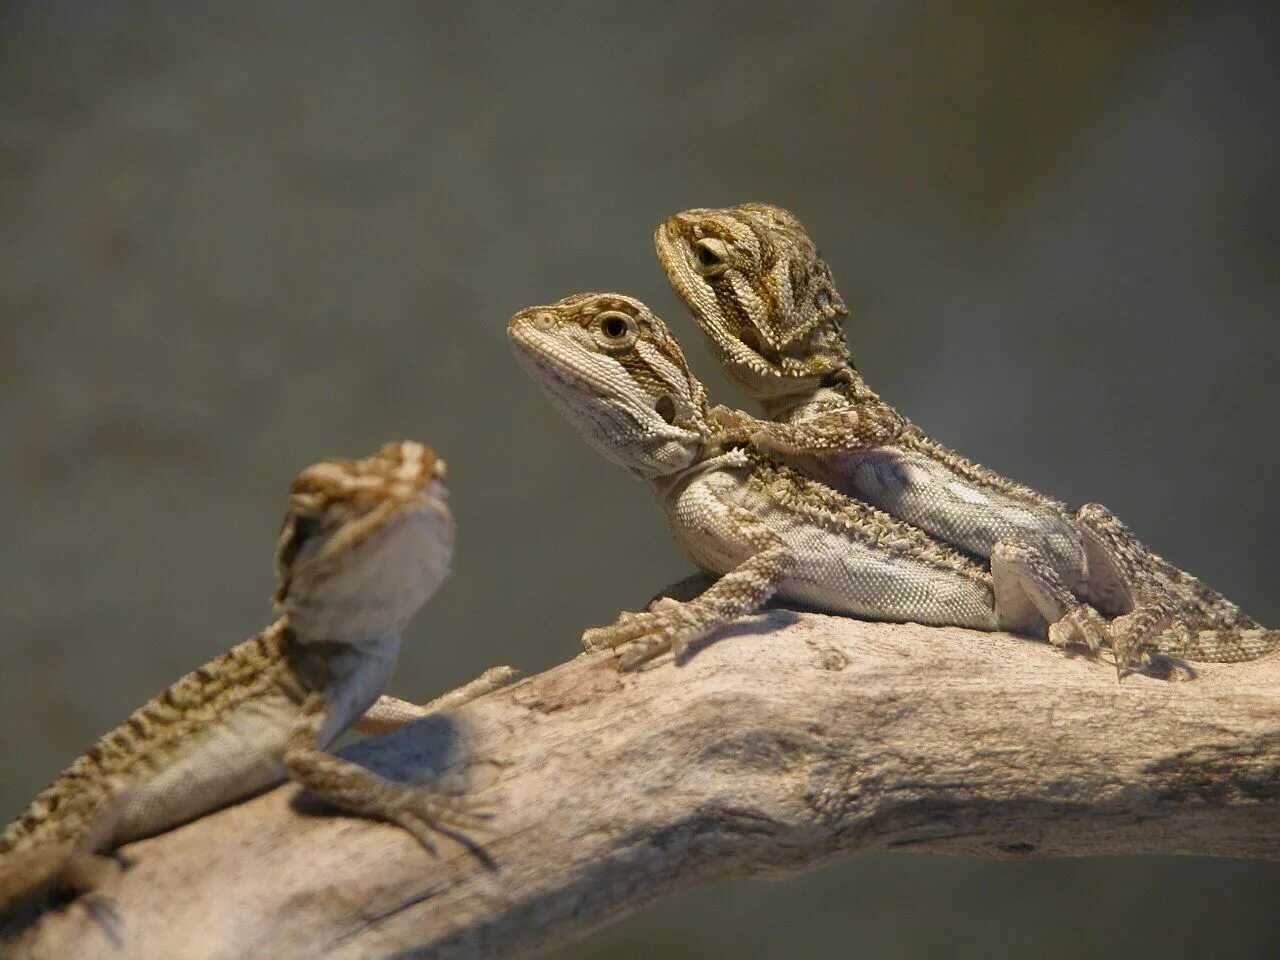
(423, 812)
(641, 652)
(1131, 637)
(596, 639)
(1083, 626)
(421, 830)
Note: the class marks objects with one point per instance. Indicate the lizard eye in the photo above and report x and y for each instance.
(615, 329)
(305, 526)
(298, 527)
(712, 256)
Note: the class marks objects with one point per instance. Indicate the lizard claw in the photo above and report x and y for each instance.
(641, 652)
(1131, 635)
(629, 626)
(423, 813)
(666, 625)
(1082, 626)
(1127, 636)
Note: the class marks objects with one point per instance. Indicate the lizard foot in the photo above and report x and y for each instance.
(1127, 636)
(677, 634)
(424, 812)
(596, 639)
(731, 426)
(666, 626)
(1083, 626)
(658, 620)
(1132, 635)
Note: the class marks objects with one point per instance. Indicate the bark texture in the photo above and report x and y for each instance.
(788, 741)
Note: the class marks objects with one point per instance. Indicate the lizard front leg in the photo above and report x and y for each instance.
(1119, 577)
(846, 430)
(670, 624)
(417, 809)
(391, 713)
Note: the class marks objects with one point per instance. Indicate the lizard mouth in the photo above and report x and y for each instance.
(757, 353)
(572, 376)
(534, 345)
(751, 340)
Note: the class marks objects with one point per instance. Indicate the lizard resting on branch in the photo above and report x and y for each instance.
(765, 299)
(364, 544)
(615, 370)
(791, 741)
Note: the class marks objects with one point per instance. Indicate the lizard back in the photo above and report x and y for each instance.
(186, 719)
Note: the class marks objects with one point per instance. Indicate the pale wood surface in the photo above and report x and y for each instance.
(789, 741)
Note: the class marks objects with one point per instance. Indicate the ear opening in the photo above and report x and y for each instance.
(666, 408)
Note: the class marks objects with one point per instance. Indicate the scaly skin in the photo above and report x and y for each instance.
(363, 545)
(764, 297)
(617, 373)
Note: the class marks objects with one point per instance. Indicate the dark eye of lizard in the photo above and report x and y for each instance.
(707, 257)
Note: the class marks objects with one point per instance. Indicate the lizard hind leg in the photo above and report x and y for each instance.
(1029, 594)
(392, 713)
(1163, 609)
(1122, 580)
(75, 866)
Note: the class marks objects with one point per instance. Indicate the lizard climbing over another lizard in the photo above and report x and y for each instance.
(618, 374)
(363, 545)
(765, 298)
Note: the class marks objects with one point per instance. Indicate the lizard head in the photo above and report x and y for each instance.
(364, 543)
(760, 291)
(617, 373)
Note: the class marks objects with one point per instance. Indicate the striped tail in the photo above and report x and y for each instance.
(1225, 645)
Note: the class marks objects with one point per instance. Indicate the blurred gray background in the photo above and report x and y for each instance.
(237, 238)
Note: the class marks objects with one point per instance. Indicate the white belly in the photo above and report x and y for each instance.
(834, 572)
(924, 492)
(230, 759)
(242, 750)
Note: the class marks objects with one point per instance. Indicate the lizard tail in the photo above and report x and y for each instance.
(1225, 645)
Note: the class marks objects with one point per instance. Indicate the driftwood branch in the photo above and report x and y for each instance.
(789, 741)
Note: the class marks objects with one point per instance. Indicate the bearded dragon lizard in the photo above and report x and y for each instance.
(763, 295)
(615, 370)
(363, 545)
